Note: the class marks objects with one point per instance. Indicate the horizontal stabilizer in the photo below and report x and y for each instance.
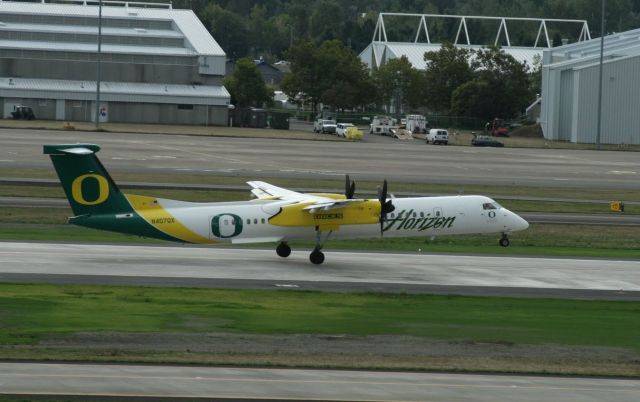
(71, 149)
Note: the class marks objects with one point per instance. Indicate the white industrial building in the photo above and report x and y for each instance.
(158, 64)
(382, 49)
(570, 84)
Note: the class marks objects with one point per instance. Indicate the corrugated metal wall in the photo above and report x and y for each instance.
(570, 102)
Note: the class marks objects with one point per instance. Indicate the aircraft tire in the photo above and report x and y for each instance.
(504, 242)
(283, 250)
(316, 257)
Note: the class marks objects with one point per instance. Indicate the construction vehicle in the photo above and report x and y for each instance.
(497, 128)
(383, 125)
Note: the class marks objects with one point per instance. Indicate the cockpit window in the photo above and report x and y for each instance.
(488, 205)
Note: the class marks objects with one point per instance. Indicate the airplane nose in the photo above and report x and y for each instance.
(518, 223)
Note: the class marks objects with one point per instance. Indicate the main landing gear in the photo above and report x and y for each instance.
(504, 240)
(317, 256)
(283, 249)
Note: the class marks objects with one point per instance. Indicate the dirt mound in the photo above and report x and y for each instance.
(531, 131)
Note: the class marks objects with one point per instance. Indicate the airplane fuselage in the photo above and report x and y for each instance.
(249, 221)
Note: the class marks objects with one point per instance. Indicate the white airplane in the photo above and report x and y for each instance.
(277, 215)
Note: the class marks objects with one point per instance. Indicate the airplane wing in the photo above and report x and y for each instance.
(329, 205)
(316, 203)
(264, 190)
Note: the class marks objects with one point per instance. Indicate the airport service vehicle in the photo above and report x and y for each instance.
(497, 128)
(22, 113)
(277, 215)
(485, 141)
(341, 129)
(324, 126)
(416, 123)
(383, 125)
(437, 136)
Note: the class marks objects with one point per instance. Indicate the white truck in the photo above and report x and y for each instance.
(324, 126)
(383, 125)
(416, 123)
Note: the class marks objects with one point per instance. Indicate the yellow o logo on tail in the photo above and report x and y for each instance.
(103, 189)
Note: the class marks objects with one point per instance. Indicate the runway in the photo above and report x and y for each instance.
(395, 160)
(342, 271)
(219, 383)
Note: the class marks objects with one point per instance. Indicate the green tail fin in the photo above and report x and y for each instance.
(86, 182)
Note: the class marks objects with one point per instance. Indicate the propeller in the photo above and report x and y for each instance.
(349, 188)
(386, 206)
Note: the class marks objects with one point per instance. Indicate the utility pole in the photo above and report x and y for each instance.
(98, 66)
(602, 30)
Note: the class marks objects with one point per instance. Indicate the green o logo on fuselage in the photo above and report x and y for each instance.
(225, 220)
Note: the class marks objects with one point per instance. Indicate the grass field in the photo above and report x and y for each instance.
(338, 185)
(34, 312)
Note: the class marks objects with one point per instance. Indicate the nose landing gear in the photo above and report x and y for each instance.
(504, 240)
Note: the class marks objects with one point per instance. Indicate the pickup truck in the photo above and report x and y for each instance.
(324, 126)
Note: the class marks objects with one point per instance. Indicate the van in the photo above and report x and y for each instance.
(437, 136)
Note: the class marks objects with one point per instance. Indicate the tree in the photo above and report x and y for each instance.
(330, 73)
(501, 87)
(447, 69)
(246, 85)
(397, 77)
(229, 30)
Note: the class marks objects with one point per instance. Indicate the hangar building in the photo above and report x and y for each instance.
(382, 49)
(158, 64)
(570, 83)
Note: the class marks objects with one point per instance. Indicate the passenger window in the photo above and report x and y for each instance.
(414, 215)
(488, 205)
(437, 213)
(255, 221)
(422, 214)
(248, 221)
(393, 215)
(263, 221)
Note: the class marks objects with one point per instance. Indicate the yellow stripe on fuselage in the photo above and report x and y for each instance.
(151, 211)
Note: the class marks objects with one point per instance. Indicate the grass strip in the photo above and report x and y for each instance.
(31, 313)
(338, 183)
(220, 196)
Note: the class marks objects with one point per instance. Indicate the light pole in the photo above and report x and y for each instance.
(98, 65)
(602, 30)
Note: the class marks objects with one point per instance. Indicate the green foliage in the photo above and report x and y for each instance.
(228, 28)
(447, 69)
(330, 73)
(247, 86)
(397, 77)
(34, 312)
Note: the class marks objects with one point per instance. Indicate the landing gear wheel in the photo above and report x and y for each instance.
(504, 242)
(283, 250)
(316, 257)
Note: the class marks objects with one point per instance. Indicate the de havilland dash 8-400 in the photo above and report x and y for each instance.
(276, 214)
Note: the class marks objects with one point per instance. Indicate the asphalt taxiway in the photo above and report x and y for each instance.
(342, 271)
(395, 160)
(220, 383)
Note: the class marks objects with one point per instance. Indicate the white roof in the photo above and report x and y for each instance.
(383, 51)
(616, 46)
(186, 22)
(114, 91)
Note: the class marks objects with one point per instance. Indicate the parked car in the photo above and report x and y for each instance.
(324, 126)
(341, 129)
(437, 136)
(485, 141)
